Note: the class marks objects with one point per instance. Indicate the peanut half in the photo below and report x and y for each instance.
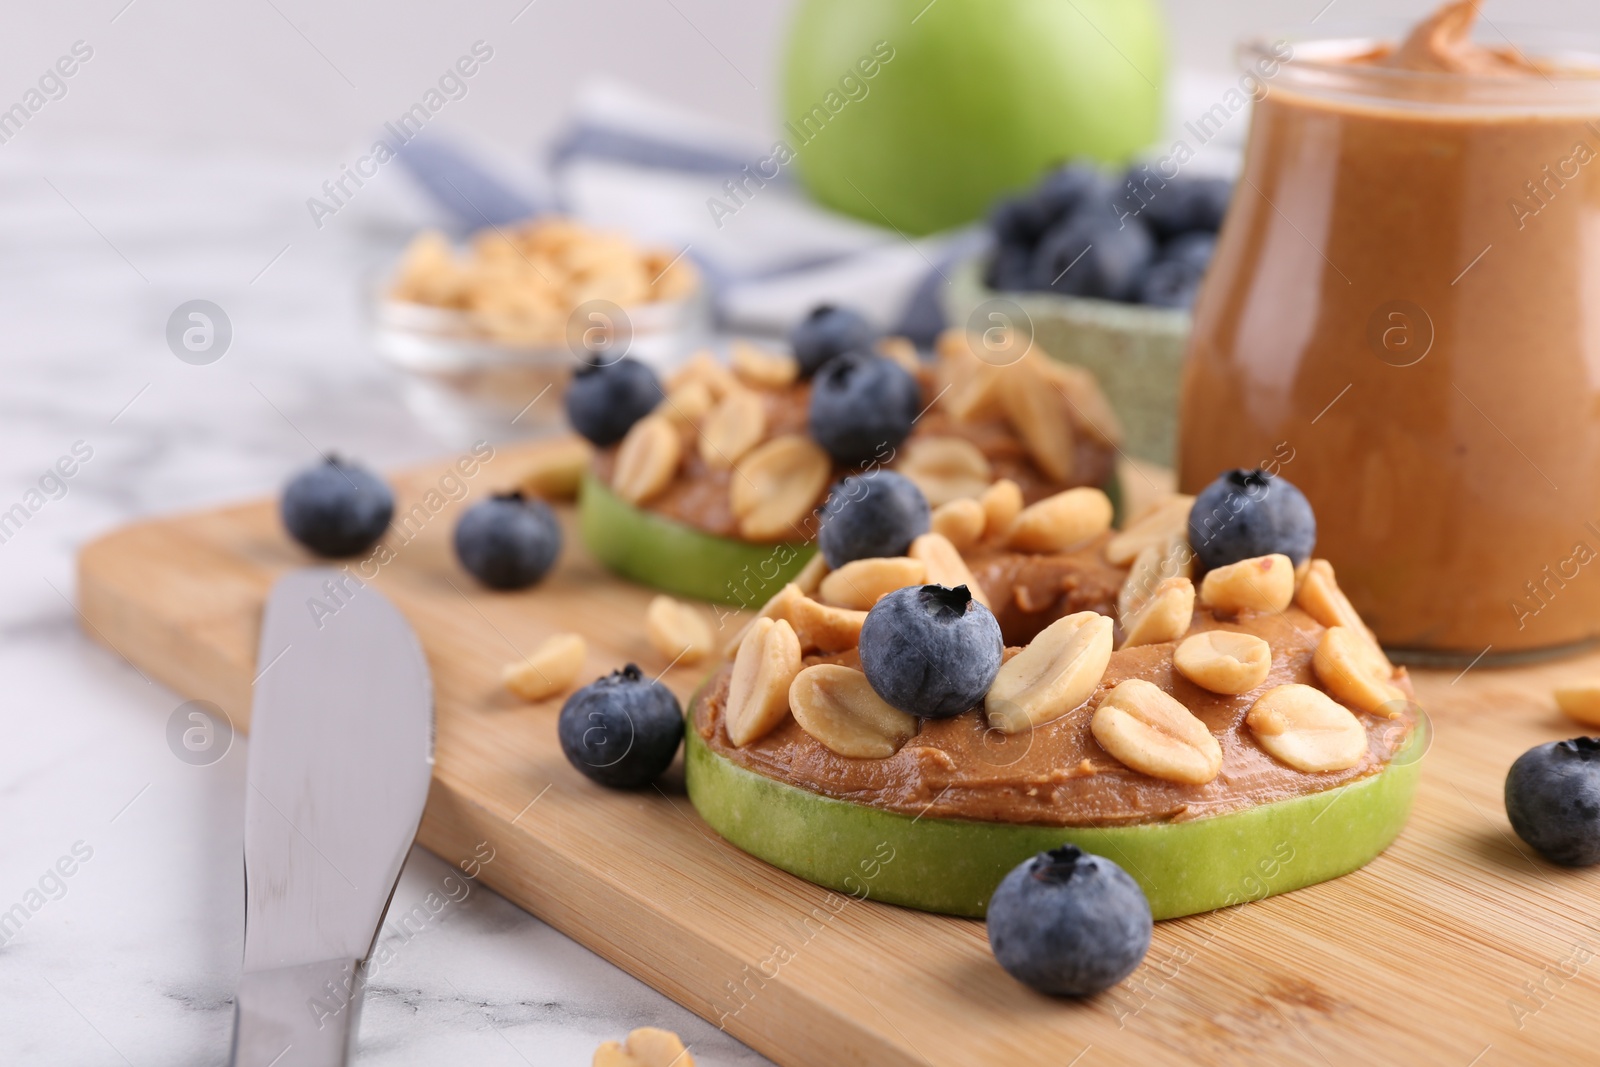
(945, 565)
(1318, 595)
(645, 1047)
(1353, 671)
(1164, 616)
(838, 707)
(1264, 584)
(776, 485)
(945, 468)
(1057, 671)
(1580, 702)
(733, 428)
(1036, 412)
(549, 669)
(553, 473)
(960, 521)
(677, 631)
(1145, 728)
(1091, 411)
(688, 404)
(758, 692)
(1156, 526)
(1155, 564)
(1224, 661)
(704, 368)
(1306, 729)
(1002, 503)
(858, 584)
(763, 369)
(1062, 521)
(647, 459)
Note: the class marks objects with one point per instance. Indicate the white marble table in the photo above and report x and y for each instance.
(132, 959)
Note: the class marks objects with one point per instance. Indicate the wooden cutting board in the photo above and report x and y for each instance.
(1454, 947)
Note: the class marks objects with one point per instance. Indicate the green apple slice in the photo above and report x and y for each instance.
(953, 865)
(667, 555)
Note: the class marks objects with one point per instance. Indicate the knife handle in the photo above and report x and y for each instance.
(302, 1016)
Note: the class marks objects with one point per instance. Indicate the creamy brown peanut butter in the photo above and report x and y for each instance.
(1057, 774)
(699, 494)
(1403, 299)
(1028, 591)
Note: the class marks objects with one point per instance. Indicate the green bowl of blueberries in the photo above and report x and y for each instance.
(1102, 269)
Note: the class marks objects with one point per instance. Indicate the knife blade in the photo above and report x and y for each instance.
(341, 753)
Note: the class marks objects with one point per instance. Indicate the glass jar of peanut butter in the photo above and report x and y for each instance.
(1403, 316)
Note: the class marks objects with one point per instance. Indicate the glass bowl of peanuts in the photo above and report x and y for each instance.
(485, 336)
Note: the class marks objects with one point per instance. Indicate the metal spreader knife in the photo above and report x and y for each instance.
(341, 752)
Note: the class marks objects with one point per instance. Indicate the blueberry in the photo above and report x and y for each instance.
(1075, 188)
(1009, 269)
(862, 407)
(336, 508)
(622, 730)
(1249, 513)
(1092, 254)
(508, 541)
(1195, 248)
(1187, 204)
(930, 651)
(603, 402)
(1069, 923)
(878, 513)
(1173, 280)
(1553, 800)
(1017, 222)
(827, 332)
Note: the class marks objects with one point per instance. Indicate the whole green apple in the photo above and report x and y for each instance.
(919, 115)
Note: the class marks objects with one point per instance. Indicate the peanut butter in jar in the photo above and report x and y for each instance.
(1405, 303)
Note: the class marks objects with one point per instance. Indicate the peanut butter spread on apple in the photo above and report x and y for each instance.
(728, 451)
(1137, 695)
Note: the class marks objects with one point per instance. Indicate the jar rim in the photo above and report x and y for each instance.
(1318, 64)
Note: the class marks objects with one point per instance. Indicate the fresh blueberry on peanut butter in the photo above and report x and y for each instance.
(1250, 513)
(878, 513)
(931, 651)
(604, 401)
(862, 408)
(827, 332)
(1553, 800)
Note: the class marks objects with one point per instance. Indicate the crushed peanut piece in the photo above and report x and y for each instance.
(1264, 584)
(549, 670)
(677, 631)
